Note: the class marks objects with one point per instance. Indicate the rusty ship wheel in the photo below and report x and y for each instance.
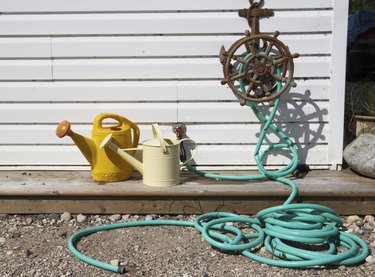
(258, 68)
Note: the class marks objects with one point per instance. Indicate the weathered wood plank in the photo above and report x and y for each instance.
(358, 206)
(56, 192)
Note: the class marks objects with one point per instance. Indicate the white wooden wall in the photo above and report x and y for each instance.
(157, 61)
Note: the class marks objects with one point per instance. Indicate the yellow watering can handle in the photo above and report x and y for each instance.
(159, 136)
(122, 123)
(98, 121)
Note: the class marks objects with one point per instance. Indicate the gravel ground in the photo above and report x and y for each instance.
(36, 245)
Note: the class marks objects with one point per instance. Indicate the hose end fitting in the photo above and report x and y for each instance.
(121, 269)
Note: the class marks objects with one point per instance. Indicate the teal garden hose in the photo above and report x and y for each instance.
(286, 231)
(289, 231)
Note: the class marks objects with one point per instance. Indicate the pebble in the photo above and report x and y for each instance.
(81, 218)
(370, 260)
(125, 217)
(115, 262)
(2, 240)
(10, 252)
(150, 217)
(29, 220)
(15, 233)
(115, 217)
(351, 219)
(66, 216)
(368, 226)
(370, 219)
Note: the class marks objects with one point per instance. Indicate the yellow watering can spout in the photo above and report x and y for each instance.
(86, 145)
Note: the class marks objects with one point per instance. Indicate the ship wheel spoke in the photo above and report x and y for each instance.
(236, 77)
(281, 60)
(269, 48)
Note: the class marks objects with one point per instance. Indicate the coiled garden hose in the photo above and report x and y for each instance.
(288, 231)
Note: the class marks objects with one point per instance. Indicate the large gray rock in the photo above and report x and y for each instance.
(360, 155)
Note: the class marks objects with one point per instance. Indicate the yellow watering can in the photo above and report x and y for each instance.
(106, 166)
(161, 158)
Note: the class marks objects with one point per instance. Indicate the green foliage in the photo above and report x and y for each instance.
(357, 5)
(368, 101)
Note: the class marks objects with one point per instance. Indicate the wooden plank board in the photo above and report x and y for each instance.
(151, 69)
(135, 91)
(170, 46)
(159, 23)
(79, 183)
(160, 112)
(31, 205)
(26, 6)
(207, 155)
(306, 133)
(53, 192)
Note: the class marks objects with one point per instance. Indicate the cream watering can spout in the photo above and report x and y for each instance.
(161, 158)
(107, 142)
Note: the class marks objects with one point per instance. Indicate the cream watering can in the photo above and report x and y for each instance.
(161, 158)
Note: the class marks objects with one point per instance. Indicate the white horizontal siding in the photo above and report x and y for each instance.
(154, 61)
(112, 69)
(159, 23)
(240, 133)
(159, 112)
(234, 155)
(197, 68)
(151, 46)
(171, 46)
(27, 6)
(137, 91)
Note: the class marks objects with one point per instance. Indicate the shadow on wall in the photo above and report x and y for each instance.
(300, 118)
(295, 118)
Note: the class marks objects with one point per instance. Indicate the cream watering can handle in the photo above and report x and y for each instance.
(195, 150)
(159, 136)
